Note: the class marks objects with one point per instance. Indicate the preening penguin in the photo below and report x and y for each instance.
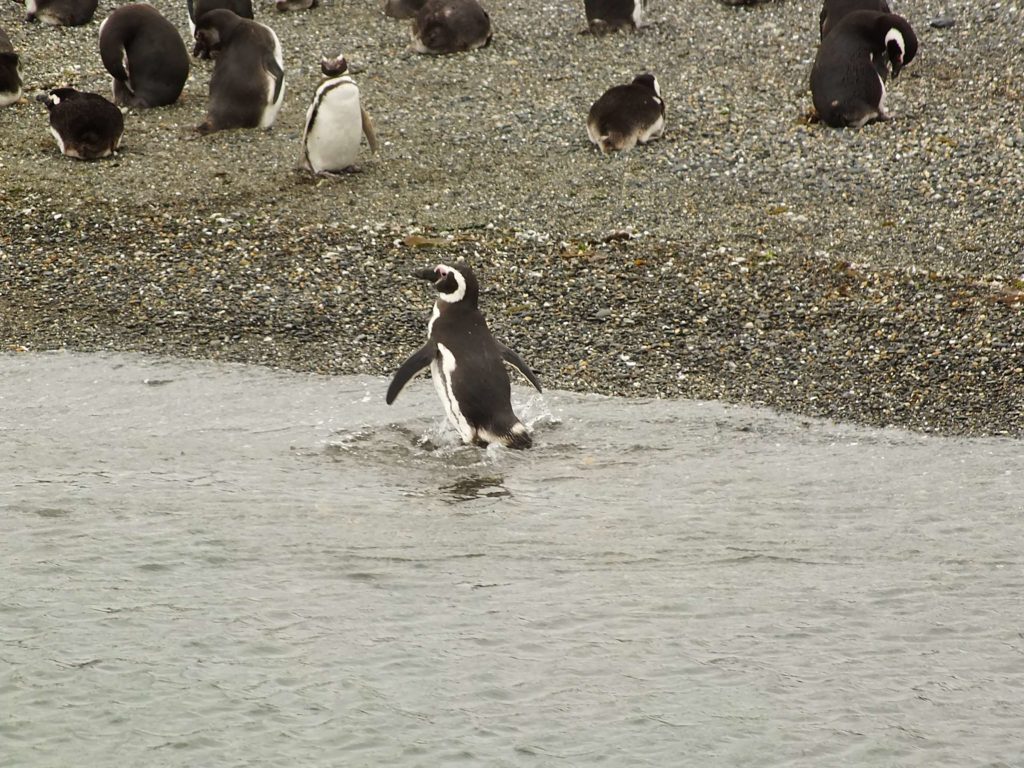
(627, 115)
(467, 363)
(144, 55)
(10, 72)
(612, 15)
(335, 122)
(61, 13)
(443, 26)
(832, 11)
(247, 84)
(85, 125)
(196, 9)
(846, 86)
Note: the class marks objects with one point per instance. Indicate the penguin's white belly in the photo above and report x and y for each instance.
(654, 131)
(441, 370)
(332, 139)
(273, 104)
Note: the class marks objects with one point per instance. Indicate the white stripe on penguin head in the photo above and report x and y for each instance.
(895, 36)
(459, 293)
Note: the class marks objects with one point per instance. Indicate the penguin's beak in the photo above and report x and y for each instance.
(426, 274)
(897, 65)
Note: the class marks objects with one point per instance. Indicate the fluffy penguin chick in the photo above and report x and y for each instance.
(247, 84)
(627, 115)
(467, 363)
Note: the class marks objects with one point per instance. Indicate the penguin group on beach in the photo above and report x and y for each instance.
(862, 46)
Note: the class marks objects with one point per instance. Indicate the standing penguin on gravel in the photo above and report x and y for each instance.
(605, 16)
(61, 13)
(10, 72)
(845, 84)
(85, 125)
(145, 56)
(247, 85)
(627, 115)
(335, 122)
(443, 26)
(467, 363)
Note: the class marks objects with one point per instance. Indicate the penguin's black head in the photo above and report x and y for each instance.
(647, 80)
(900, 44)
(453, 284)
(54, 97)
(333, 67)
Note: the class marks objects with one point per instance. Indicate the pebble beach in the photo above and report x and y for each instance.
(751, 255)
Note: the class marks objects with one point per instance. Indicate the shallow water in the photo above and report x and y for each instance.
(211, 565)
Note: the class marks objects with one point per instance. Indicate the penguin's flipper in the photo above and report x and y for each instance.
(420, 359)
(512, 358)
(369, 131)
(274, 70)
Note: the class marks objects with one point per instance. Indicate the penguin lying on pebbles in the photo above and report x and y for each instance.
(846, 87)
(196, 9)
(443, 26)
(247, 84)
(335, 122)
(144, 55)
(627, 115)
(605, 16)
(295, 5)
(61, 13)
(86, 125)
(10, 72)
(467, 363)
(832, 11)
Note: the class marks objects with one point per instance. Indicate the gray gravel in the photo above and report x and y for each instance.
(749, 255)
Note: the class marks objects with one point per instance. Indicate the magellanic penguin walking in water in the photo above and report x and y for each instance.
(627, 115)
(247, 85)
(10, 72)
(846, 87)
(335, 122)
(85, 125)
(605, 16)
(467, 363)
(145, 56)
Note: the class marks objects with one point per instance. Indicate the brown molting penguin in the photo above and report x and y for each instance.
(10, 72)
(196, 8)
(443, 26)
(85, 125)
(627, 115)
(247, 84)
(60, 13)
(144, 55)
(605, 16)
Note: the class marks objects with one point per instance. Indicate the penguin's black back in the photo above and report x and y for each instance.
(610, 15)
(158, 63)
(624, 108)
(88, 124)
(845, 85)
(833, 11)
(480, 381)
